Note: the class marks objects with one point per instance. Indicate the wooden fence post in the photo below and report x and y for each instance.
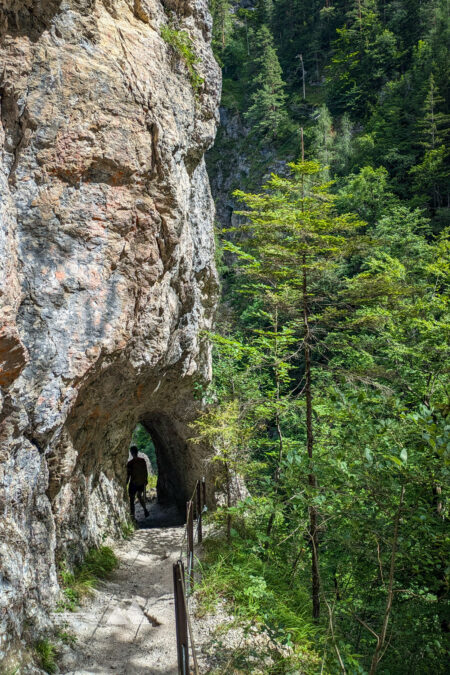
(190, 542)
(181, 619)
(199, 512)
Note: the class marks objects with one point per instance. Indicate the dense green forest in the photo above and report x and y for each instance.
(330, 390)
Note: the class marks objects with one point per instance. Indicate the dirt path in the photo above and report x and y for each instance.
(128, 627)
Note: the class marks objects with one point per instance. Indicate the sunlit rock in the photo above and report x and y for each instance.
(107, 275)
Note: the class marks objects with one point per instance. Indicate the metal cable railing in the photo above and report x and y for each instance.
(183, 583)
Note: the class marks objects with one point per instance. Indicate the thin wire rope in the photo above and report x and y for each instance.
(183, 540)
(190, 572)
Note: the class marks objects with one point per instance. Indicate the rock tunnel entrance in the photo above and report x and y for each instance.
(166, 500)
(88, 465)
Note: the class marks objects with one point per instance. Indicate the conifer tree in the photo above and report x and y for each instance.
(295, 240)
(263, 12)
(220, 10)
(365, 56)
(433, 172)
(434, 125)
(323, 141)
(343, 149)
(267, 111)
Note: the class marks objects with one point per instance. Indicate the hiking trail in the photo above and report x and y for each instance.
(128, 626)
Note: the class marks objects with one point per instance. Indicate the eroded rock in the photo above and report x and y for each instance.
(107, 277)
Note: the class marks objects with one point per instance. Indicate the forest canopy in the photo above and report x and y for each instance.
(330, 389)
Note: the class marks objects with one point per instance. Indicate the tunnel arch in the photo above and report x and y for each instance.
(87, 468)
(173, 458)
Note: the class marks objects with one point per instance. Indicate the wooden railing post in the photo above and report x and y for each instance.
(190, 542)
(199, 512)
(181, 619)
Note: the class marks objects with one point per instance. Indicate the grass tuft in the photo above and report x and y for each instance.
(66, 638)
(46, 654)
(100, 562)
(128, 529)
(76, 585)
(180, 41)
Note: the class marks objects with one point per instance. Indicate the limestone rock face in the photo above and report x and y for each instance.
(107, 275)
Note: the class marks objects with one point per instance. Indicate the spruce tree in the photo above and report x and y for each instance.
(222, 25)
(264, 12)
(295, 241)
(432, 174)
(435, 125)
(267, 111)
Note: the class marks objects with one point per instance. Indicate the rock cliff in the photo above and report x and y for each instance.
(107, 274)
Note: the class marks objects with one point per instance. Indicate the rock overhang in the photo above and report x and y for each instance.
(107, 278)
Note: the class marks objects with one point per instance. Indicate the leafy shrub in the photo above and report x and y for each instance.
(152, 481)
(259, 596)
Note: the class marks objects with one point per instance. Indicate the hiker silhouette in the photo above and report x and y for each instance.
(137, 476)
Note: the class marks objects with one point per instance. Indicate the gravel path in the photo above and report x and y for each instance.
(128, 627)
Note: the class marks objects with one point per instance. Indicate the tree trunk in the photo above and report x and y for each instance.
(276, 475)
(303, 76)
(390, 596)
(310, 444)
(276, 478)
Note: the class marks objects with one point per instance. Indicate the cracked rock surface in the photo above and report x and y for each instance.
(107, 275)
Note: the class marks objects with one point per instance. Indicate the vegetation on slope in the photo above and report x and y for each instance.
(330, 393)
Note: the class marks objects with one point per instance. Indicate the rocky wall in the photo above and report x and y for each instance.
(107, 275)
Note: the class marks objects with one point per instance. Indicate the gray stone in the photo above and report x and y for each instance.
(107, 275)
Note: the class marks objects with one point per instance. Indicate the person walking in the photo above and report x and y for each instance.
(137, 476)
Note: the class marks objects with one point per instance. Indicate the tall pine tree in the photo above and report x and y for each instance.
(267, 111)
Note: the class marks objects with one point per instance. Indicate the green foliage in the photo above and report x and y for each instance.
(322, 145)
(260, 596)
(386, 87)
(365, 57)
(46, 654)
(367, 193)
(267, 112)
(77, 584)
(180, 41)
(99, 562)
(152, 481)
(378, 311)
(376, 112)
(222, 25)
(67, 638)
